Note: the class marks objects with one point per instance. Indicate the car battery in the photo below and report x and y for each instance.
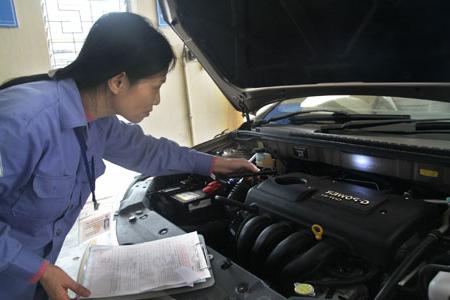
(186, 206)
(192, 200)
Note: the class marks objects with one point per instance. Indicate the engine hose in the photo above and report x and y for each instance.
(240, 190)
(293, 245)
(429, 241)
(425, 274)
(308, 262)
(266, 241)
(248, 233)
(349, 281)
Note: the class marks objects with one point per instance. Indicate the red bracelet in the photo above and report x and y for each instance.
(36, 277)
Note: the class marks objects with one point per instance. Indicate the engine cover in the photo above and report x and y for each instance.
(371, 224)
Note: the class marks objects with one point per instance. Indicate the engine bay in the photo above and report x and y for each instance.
(346, 227)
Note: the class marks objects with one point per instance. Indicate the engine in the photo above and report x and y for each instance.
(331, 233)
(364, 222)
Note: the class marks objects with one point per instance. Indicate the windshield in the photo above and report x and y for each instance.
(354, 104)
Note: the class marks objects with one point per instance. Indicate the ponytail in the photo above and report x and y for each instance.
(24, 79)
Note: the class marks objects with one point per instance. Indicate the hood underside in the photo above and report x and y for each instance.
(262, 51)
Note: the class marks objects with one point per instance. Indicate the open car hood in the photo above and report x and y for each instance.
(258, 51)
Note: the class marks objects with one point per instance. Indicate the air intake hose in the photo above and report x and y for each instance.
(308, 262)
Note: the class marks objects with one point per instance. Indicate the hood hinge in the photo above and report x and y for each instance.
(245, 111)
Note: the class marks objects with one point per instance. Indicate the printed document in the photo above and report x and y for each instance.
(152, 266)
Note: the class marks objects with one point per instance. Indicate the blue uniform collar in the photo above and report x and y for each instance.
(71, 108)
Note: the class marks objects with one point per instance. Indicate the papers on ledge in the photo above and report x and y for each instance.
(152, 266)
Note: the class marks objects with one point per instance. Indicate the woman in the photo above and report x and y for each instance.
(54, 133)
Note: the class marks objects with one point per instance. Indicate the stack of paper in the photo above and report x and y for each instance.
(152, 266)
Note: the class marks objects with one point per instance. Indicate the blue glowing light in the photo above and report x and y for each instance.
(362, 162)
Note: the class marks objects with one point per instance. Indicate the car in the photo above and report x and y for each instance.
(347, 115)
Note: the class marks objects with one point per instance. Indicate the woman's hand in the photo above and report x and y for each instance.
(56, 283)
(231, 165)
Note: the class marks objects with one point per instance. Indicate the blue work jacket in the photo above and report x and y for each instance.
(43, 183)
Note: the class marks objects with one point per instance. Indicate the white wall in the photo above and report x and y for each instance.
(24, 49)
(211, 112)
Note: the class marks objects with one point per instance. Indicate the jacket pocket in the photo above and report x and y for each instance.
(46, 199)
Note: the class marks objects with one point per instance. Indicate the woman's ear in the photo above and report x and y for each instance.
(118, 83)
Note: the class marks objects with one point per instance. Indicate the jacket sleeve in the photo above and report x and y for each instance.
(128, 146)
(18, 156)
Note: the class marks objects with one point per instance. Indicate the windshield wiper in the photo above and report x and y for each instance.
(401, 126)
(337, 116)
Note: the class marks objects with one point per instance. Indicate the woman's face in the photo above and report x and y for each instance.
(135, 102)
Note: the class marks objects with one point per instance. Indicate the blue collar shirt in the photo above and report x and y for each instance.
(43, 183)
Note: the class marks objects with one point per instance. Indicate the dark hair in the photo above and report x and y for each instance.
(117, 42)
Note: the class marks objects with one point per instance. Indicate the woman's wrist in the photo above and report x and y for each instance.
(229, 165)
(213, 164)
(36, 277)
